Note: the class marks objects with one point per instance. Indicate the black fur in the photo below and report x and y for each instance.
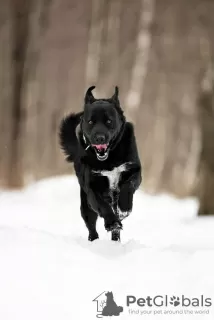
(78, 135)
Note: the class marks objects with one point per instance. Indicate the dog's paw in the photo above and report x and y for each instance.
(115, 235)
(93, 236)
(123, 214)
(116, 225)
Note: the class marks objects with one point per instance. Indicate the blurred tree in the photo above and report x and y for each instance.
(206, 168)
(20, 19)
(140, 65)
(6, 92)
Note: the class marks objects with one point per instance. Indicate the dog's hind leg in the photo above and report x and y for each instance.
(89, 216)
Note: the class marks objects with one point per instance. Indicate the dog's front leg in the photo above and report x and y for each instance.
(127, 190)
(104, 209)
(102, 205)
(125, 201)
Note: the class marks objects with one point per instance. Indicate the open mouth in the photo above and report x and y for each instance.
(101, 150)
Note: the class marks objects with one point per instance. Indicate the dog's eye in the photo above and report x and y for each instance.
(90, 122)
(108, 121)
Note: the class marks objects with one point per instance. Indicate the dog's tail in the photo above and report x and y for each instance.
(68, 136)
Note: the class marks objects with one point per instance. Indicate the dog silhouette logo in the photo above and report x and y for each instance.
(106, 305)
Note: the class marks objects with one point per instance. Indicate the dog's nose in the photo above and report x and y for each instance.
(100, 138)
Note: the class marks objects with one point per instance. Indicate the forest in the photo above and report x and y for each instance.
(159, 53)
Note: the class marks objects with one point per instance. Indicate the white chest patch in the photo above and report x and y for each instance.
(114, 174)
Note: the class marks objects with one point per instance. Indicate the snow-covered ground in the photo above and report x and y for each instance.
(48, 269)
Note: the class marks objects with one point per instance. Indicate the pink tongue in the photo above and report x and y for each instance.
(100, 146)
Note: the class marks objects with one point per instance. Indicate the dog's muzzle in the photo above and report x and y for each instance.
(101, 150)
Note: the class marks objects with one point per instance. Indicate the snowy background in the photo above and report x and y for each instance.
(48, 269)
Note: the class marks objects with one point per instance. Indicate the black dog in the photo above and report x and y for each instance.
(103, 148)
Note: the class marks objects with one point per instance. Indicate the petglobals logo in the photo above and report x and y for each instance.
(166, 301)
(106, 305)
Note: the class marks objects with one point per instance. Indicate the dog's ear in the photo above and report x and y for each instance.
(89, 98)
(115, 96)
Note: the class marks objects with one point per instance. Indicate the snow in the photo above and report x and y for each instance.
(48, 269)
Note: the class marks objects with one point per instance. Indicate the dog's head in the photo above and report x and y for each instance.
(102, 122)
(109, 295)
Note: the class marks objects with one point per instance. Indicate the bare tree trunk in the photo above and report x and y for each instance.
(139, 70)
(129, 30)
(109, 66)
(32, 91)
(206, 112)
(6, 92)
(20, 11)
(206, 172)
(94, 42)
